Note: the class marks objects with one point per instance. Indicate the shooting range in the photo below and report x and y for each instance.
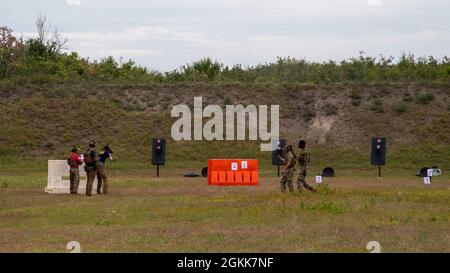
(241, 128)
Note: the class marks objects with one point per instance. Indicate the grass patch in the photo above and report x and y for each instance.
(377, 106)
(356, 102)
(400, 107)
(330, 109)
(355, 95)
(407, 97)
(172, 214)
(308, 114)
(227, 101)
(425, 99)
(327, 206)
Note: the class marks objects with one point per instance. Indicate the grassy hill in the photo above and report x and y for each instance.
(40, 122)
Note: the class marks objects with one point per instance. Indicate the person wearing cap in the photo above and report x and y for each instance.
(303, 161)
(289, 169)
(102, 179)
(74, 162)
(90, 160)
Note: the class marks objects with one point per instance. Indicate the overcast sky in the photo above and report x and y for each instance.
(164, 35)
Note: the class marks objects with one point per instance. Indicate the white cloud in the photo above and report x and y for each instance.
(124, 52)
(166, 34)
(166, 48)
(73, 2)
(374, 2)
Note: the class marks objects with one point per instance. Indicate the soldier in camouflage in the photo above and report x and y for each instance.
(303, 160)
(288, 173)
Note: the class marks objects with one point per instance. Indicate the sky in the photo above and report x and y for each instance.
(163, 35)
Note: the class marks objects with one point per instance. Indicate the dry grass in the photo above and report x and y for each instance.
(174, 214)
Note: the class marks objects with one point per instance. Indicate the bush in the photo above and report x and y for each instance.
(355, 95)
(308, 114)
(227, 101)
(400, 108)
(330, 109)
(356, 102)
(425, 98)
(377, 106)
(202, 70)
(41, 79)
(407, 97)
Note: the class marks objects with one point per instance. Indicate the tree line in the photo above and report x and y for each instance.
(44, 59)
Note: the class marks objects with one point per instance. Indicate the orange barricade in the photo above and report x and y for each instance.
(233, 172)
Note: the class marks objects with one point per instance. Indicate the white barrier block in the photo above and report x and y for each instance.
(58, 180)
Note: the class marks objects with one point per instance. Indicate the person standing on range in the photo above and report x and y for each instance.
(102, 179)
(289, 169)
(90, 160)
(304, 161)
(74, 161)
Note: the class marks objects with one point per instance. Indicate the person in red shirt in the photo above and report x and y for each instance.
(74, 162)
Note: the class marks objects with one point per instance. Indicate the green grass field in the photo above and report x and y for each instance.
(143, 213)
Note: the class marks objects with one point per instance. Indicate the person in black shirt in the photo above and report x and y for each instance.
(91, 162)
(102, 179)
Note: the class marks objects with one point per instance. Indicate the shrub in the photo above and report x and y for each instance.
(330, 109)
(407, 97)
(425, 98)
(41, 79)
(355, 95)
(400, 108)
(377, 106)
(308, 100)
(308, 114)
(227, 101)
(356, 102)
(202, 70)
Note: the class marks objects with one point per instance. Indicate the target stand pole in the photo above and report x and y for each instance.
(157, 170)
(379, 170)
(278, 171)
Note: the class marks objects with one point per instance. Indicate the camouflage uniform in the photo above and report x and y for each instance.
(102, 179)
(91, 169)
(288, 174)
(303, 160)
(74, 180)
